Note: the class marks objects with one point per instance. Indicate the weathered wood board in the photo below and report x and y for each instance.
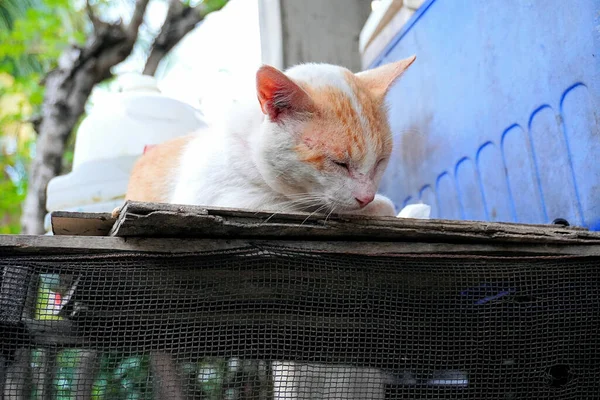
(167, 220)
(82, 224)
(23, 244)
(153, 228)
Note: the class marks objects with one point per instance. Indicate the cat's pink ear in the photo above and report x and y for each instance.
(381, 79)
(279, 95)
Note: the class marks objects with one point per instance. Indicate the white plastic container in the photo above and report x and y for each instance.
(111, 138)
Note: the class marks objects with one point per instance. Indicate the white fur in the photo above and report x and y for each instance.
(417, 211)
(249, 162)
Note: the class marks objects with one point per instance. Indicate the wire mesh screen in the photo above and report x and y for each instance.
(274, 323)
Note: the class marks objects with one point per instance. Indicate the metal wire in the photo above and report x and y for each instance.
(274, 323)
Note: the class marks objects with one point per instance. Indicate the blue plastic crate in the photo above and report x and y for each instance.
(499, 117)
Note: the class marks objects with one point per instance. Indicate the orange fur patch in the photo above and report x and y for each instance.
(336, 129)
(375, 113)
(153, 170)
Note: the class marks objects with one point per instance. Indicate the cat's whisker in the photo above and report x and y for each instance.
(285, 204)
(294, 205)
(333, 207)
(269, 218)
(304, 200)
(302, 203)
(298, 196)
(313, 213)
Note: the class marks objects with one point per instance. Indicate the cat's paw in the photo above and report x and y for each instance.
(418, 211)
(116, 212)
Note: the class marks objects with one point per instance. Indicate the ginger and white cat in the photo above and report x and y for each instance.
(317, 139)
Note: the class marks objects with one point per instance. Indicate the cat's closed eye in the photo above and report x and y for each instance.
(341, 164)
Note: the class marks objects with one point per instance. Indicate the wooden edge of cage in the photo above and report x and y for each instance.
(149, 220)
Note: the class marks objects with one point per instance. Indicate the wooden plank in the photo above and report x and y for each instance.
(51, 332)
(168, 220)
(14, 282)
(79, 223)
(23, 244)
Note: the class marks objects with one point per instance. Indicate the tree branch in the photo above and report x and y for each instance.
(180, 20)
(138, 17)
(92, 15)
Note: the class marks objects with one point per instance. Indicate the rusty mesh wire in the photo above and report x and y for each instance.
(274, 323)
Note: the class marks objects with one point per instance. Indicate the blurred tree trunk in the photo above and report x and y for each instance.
(79, 69)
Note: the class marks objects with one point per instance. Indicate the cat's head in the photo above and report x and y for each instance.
(325, 140)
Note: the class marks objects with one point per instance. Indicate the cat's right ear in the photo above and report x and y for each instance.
(380, 80)
(278, 95)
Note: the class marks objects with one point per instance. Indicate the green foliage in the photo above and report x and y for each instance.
(11, 9)
(123, 378)
(214, 5)
(15, 151)
(33, 33)
(13, 187)
(37, 36)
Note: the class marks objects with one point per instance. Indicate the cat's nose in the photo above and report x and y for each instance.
(364, 199)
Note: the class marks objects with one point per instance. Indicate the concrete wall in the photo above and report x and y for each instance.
(297, 31)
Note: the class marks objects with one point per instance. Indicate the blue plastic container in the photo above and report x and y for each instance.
(499, 117)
